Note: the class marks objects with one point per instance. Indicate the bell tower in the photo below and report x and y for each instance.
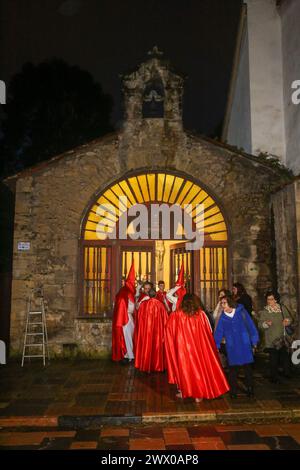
(153, 91)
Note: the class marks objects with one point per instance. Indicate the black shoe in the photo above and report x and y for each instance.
(124, 362)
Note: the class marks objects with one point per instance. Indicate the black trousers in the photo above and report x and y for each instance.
(233, 375)
(279, 357)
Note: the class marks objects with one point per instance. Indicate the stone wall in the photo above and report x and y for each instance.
(290, 18)
(48, 213)
(286, 245)
(51, 203)
(297, 192)
(52, 200)
(94, 337)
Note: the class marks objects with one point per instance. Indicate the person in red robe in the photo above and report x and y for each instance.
(152, 317)
(193, 362)
(176, 294)
(143, 292)
(123, 322)
(161, 295)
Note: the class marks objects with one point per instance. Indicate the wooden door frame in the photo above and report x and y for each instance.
(83, 244)
(192, 267)
(195, 259)
(118, 246)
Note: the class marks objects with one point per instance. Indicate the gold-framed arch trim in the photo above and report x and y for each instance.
(155, 187)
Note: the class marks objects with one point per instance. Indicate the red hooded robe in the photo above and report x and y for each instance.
(162, 297)
(120, 315)
(192, 357)
(149, 353)
(180, 282)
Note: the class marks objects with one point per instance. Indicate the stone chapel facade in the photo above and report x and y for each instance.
(152, 158)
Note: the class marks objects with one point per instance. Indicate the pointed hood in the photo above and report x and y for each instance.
(130, 283)
(180, 282)
(180, 279)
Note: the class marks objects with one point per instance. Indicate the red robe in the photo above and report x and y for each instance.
(120, 319)
(180, 294)
(149, 353)
(141, 297)
(192, 357)
(162, 297)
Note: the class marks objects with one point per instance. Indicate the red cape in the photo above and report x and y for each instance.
(120, 318)
(180, 294)
(192, 357)
(142, 296)
(149, 353)
(162, 297)
(182, 291)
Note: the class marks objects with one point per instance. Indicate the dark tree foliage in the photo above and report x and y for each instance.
(51, 107)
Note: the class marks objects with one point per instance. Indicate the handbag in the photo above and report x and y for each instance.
(278, 343)
(223, 360)
(289, 329)
(223, 356)
(286, 340)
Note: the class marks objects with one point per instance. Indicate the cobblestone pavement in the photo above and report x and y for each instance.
(191, 437)
(102, 388)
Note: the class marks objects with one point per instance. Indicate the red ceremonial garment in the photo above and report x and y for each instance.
(142, 296)
(120, 316)
(162, 297)
(180, 282)
(149, 353)
(192, 357)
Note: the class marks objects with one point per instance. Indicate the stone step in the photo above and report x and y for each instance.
(94, 421)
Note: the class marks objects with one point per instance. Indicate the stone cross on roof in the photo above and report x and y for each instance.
(155, 52)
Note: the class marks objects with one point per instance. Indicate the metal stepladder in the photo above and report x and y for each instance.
(36, 336)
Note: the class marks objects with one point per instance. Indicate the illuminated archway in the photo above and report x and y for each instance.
(160, 188)
(106, 261)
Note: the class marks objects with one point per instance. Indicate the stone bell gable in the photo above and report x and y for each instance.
(54, 198)
(153, 90)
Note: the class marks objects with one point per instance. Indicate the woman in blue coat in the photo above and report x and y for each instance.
(237, 328)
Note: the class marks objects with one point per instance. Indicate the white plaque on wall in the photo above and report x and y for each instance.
(23, 246)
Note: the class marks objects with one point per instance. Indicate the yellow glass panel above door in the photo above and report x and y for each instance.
(158, 188)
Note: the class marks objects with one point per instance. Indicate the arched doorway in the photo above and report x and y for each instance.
(106, 257)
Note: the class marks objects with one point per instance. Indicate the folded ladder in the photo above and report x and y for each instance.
(35, 336)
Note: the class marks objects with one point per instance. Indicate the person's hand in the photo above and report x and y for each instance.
(286, 322)
(254, 348)
(269, 322)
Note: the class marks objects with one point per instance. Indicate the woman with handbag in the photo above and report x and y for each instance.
(276, 322)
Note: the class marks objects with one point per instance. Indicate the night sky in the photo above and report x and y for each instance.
(108, 37)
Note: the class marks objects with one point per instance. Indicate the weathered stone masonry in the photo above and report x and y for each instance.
(52, 198)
